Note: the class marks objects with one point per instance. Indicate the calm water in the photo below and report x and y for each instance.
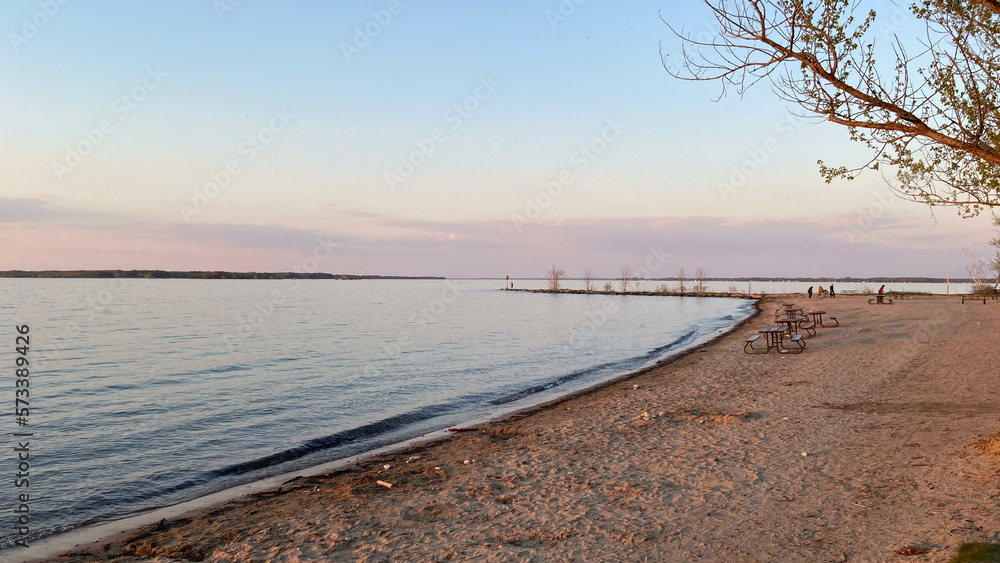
(146, 393)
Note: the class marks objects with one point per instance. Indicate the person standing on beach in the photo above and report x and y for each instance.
(810, 292)
(832, 294)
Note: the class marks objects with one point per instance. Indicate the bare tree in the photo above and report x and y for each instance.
(932, 116)
(588, 285)
(995, 264)
(680, 280)
(554, 275)
(699, 280)
(975, 270)
(625, 274)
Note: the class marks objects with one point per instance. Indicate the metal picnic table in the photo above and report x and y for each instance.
(792, 324)
(773, 334)
(775, 339)
(817, 317)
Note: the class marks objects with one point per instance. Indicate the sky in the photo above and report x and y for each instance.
(459, 139)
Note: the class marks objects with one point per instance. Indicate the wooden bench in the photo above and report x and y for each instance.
(834, 319)
(974, 297)
(880, 300)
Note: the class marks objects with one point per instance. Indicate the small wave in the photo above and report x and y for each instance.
(552, 383)
(224, 369)
(621, 365)
(340, 438)
(683, 340)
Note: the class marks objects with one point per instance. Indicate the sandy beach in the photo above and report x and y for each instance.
(862, 448)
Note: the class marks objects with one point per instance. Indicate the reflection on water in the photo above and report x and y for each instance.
(149, 392)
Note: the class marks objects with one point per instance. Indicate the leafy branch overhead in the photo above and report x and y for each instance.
(932, 115)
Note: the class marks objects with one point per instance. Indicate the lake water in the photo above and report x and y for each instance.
(146, 393)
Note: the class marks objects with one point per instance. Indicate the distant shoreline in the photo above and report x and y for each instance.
(876, 279)
(198, 275)
(655, 293)
(225, 275)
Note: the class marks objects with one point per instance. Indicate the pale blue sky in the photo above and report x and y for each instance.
(219, 80)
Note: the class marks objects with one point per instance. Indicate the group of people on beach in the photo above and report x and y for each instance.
(832, 293)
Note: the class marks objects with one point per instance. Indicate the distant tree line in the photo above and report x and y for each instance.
(197, 275)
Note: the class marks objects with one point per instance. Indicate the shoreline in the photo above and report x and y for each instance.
(857, 449)
(756, 296)
(54, 544)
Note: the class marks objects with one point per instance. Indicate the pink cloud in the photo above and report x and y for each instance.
(486, 249)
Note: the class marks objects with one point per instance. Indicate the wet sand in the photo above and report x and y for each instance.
(856, 449)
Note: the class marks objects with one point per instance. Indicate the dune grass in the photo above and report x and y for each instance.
(972, 552)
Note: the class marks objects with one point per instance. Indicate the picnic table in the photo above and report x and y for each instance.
(774, 335)
(880, 300)
(792, 324)
(817, 317)
(787, 310)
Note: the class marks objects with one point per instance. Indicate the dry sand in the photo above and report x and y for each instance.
(857, 448)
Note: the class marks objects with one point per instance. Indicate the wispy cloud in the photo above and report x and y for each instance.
(30, 209)
(725, 247)
(244, 236)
